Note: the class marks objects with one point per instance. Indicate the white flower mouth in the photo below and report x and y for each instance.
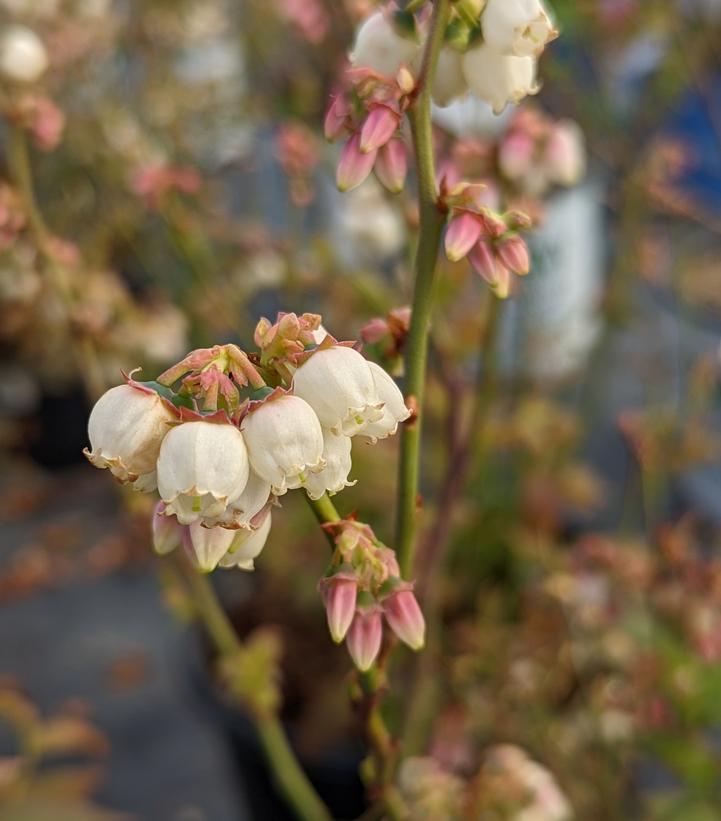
(193, 504)
(357, 419)
(296, 477)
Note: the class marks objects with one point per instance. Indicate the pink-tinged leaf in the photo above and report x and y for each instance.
(392, 166)
(354, 166)
(462, 234)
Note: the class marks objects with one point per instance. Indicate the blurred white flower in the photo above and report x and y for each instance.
(370, 228)
(378, 46)
(516, 27)
(285, 441)
(497, 78)
(126, 428)
(23, 58)
(449, 82)
(202, 467)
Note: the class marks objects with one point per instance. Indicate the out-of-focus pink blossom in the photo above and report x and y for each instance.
(152, 183)
(309, 16)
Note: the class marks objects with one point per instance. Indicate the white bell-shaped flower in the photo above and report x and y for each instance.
(126, 428)
(338, 384)
(285, 442)
(240, 511)
(202, 466)
(394, 406)
(334, 476)
(206, 546)
(497, 78)
(23, 57)
(378, 46)
(520, 28)
(246, 546)
(449, 83)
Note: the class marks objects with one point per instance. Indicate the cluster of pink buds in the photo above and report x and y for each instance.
(298, 153)
(491, 241)
(387, 335)
(153, 183)
(363, 586)
(538, 152)
(40, 117)
(223, 433)
(370, 116)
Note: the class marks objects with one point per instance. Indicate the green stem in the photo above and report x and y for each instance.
(431, 225)
(19, 166)
(293, 782)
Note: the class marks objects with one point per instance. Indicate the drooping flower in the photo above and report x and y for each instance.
(241, 511)
(449, 82)
(202, 467)
(247, 545)
(167, 531)
(206, 546)
(338, 384)
(126, 428)
(394, 406)
(23, 57)
(517, 27)
(380, 47)
(334, 476)
(497, 78)
(285, 441)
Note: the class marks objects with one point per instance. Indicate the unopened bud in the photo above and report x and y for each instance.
(167, 531)
(405, 618)
(379, 126)
(340, 594)
(364, 638)
(354, 166)
(462, 234)
(513, 253)
(392, 166)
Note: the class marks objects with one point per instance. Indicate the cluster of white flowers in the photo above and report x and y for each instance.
(501, 70)
(216, 478)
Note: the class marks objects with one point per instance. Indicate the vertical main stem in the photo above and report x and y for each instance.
(293, 782)
(431, 226)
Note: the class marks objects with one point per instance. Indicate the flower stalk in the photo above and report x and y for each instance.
(431, 225)
(294, 783)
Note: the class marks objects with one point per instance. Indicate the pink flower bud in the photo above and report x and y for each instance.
(513, 253)
(516, 154)
(565, 155)
(336, 117)
(405, 618)
(379, 126)
(462, 234)
(167, 532)
(364, 638)
(354, 166)
(484, 261)
(340, 593)
(392, 165)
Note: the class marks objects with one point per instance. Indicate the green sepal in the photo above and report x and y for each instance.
(365, 599)
(389, 585)
(405, 24)
(259, 394)
(177, 399)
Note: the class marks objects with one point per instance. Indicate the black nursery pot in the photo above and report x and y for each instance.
(334, 773)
